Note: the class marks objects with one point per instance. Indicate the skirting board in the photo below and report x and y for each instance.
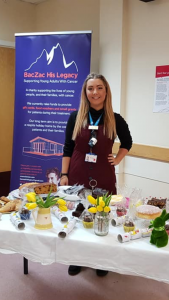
(144, 151)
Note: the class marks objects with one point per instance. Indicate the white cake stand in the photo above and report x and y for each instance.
(143, 223)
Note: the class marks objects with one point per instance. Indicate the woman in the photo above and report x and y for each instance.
(90, 135)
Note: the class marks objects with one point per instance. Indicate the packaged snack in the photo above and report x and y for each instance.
(121, 211)
(87, 220)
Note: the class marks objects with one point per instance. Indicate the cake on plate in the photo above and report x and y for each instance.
(148, 212)
(161, 203)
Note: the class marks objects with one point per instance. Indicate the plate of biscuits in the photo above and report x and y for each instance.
(8, 206)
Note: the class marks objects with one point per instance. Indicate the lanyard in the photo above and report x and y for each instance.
(91, 120)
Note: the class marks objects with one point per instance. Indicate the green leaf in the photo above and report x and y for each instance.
(107, 199)
(50, 202)
(39, 201)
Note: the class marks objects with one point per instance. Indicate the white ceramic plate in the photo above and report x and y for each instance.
(61, 193)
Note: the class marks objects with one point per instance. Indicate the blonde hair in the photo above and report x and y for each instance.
(109, 126)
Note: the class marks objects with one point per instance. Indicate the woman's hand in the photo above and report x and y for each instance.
(120, 155)
(113, 160)
(64, 180)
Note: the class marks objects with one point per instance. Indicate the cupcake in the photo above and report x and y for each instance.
(88, 221)
(128, 226)
(25, 214)
(121, 211)
(167, 228)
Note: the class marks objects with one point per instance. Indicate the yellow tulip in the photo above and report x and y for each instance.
(101, 203)
(91, 200)
(99, 208)
(31, 197)
(60, 201)
(93, 210)
(31, 205)
(63, 207)
(107, 209)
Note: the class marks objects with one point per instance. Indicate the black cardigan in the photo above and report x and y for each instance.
(122, 130)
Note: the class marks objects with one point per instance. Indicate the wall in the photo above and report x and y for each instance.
(147, 47)
(135, 42)
(74, 15)
(7, 71)
(15, 16)
(111, 37)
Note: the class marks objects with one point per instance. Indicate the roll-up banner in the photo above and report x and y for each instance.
(50, 71)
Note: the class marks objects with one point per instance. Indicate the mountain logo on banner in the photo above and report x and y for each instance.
(52, 57)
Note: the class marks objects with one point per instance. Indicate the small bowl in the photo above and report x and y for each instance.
(25, 216)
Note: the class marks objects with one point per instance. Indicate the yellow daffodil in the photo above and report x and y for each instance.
(63, 207)
(60, 201)
(107, 209)
(31, 205)
(99, 208)
(93, 210)
(31, 197)
(91, 199)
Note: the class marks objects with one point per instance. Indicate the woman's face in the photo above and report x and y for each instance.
(96, 93)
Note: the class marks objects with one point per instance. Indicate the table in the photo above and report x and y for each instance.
(82, 247)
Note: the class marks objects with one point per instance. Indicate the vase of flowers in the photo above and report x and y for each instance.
(101, 210)
(101, 223)
(41, 209)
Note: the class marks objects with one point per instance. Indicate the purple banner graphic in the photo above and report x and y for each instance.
(50, 71)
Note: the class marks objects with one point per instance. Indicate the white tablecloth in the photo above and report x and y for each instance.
(83, 247)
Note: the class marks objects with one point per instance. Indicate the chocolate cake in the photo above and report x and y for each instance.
(79, 209)
(161, 203)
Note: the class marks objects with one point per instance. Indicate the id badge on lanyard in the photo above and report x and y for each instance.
(91, 157)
